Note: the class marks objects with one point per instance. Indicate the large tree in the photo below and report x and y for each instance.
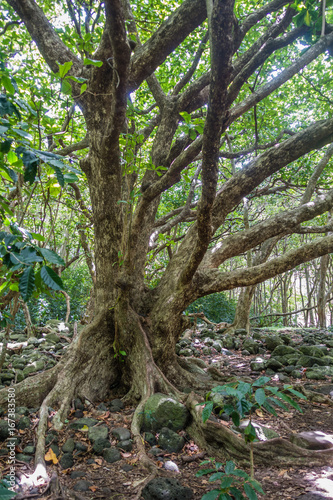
(220, 89)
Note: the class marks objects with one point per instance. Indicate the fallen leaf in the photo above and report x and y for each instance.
(282, 472)
(85, 428)
(51, 457)
(126, 455)
(93, 488)
(259, 413)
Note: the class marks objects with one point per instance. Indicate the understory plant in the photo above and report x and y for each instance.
(233, 482)
(242, 399)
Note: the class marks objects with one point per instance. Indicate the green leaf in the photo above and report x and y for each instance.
(307, 18)
(66, 87)
(216, 476)
(251, 494)
(29, 256)
(37, 237)
(235, 416)
(226, 482)
(83, 88)
(64, 68)
(5, 146)
(256, 485)
(5, 493)
(51, 279)
(244, 387)
(8, 84)
(250, 433)
(27, 283)
(60, 176)
(289, 400)
(261, 381)
(206, 412)
(241, 473)
(269, 408)
(92, 62)
(211, 495)
(260, 396)
(296, 393)
(204, 472)
(51, 256)
(229, 467)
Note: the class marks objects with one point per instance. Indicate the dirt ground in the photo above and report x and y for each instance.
(122, 479)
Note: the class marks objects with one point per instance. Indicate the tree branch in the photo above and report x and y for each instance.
(213, 280)
(48, 42)
(171, 33)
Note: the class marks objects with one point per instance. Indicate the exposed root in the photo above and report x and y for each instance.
(220, 441)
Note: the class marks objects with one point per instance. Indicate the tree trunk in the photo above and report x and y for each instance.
(242, 315)
(321, 297)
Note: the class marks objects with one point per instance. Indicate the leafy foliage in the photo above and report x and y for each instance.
(234, 482)
(216, 307)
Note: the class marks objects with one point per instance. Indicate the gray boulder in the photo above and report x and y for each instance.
(313, 440)
(164, 411)
(100, 432)
(163, 488)
(272, 341)
(251, 346)
(111, 455)
(170, 440)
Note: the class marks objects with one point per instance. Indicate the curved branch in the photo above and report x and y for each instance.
(213, 280)
(48, 42)
(171, 33)
(279, 225)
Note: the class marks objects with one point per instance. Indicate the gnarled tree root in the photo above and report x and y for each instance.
(221, 442)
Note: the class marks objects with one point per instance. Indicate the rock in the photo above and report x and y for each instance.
(162, 488)
(23, 458)
(241, 331)
(111, 455)
(67, 461)
(228, 341)
(313, 350)
(100, 432)
(100, 445)
(272, 341)
(150, 438)
(4, 430)
(206, 351)
(323, 389)
(274, 364)
(6, 376)
(185, 352)
(307, 361)
(52, 338)
(170, 440)
(102, 407)
(23, 423)
(251, 346)
(245, 352)
(125, 445)
(315, 375)
(80, 422)
(121, 433)
(33, 367)
(69, 446)
(77, 473)
(116, 405)
(313, 440)
(164, 411)
(217, 345)
(127, 467)
(82, 485)
(78, 405)
(51, 437)
(81, 447)
(258, 364)
(297, 373)
(283, 350)
(29, 449)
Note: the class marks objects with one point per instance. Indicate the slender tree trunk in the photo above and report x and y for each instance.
(321, 297)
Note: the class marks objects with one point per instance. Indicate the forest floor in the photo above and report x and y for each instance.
(120, 480)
